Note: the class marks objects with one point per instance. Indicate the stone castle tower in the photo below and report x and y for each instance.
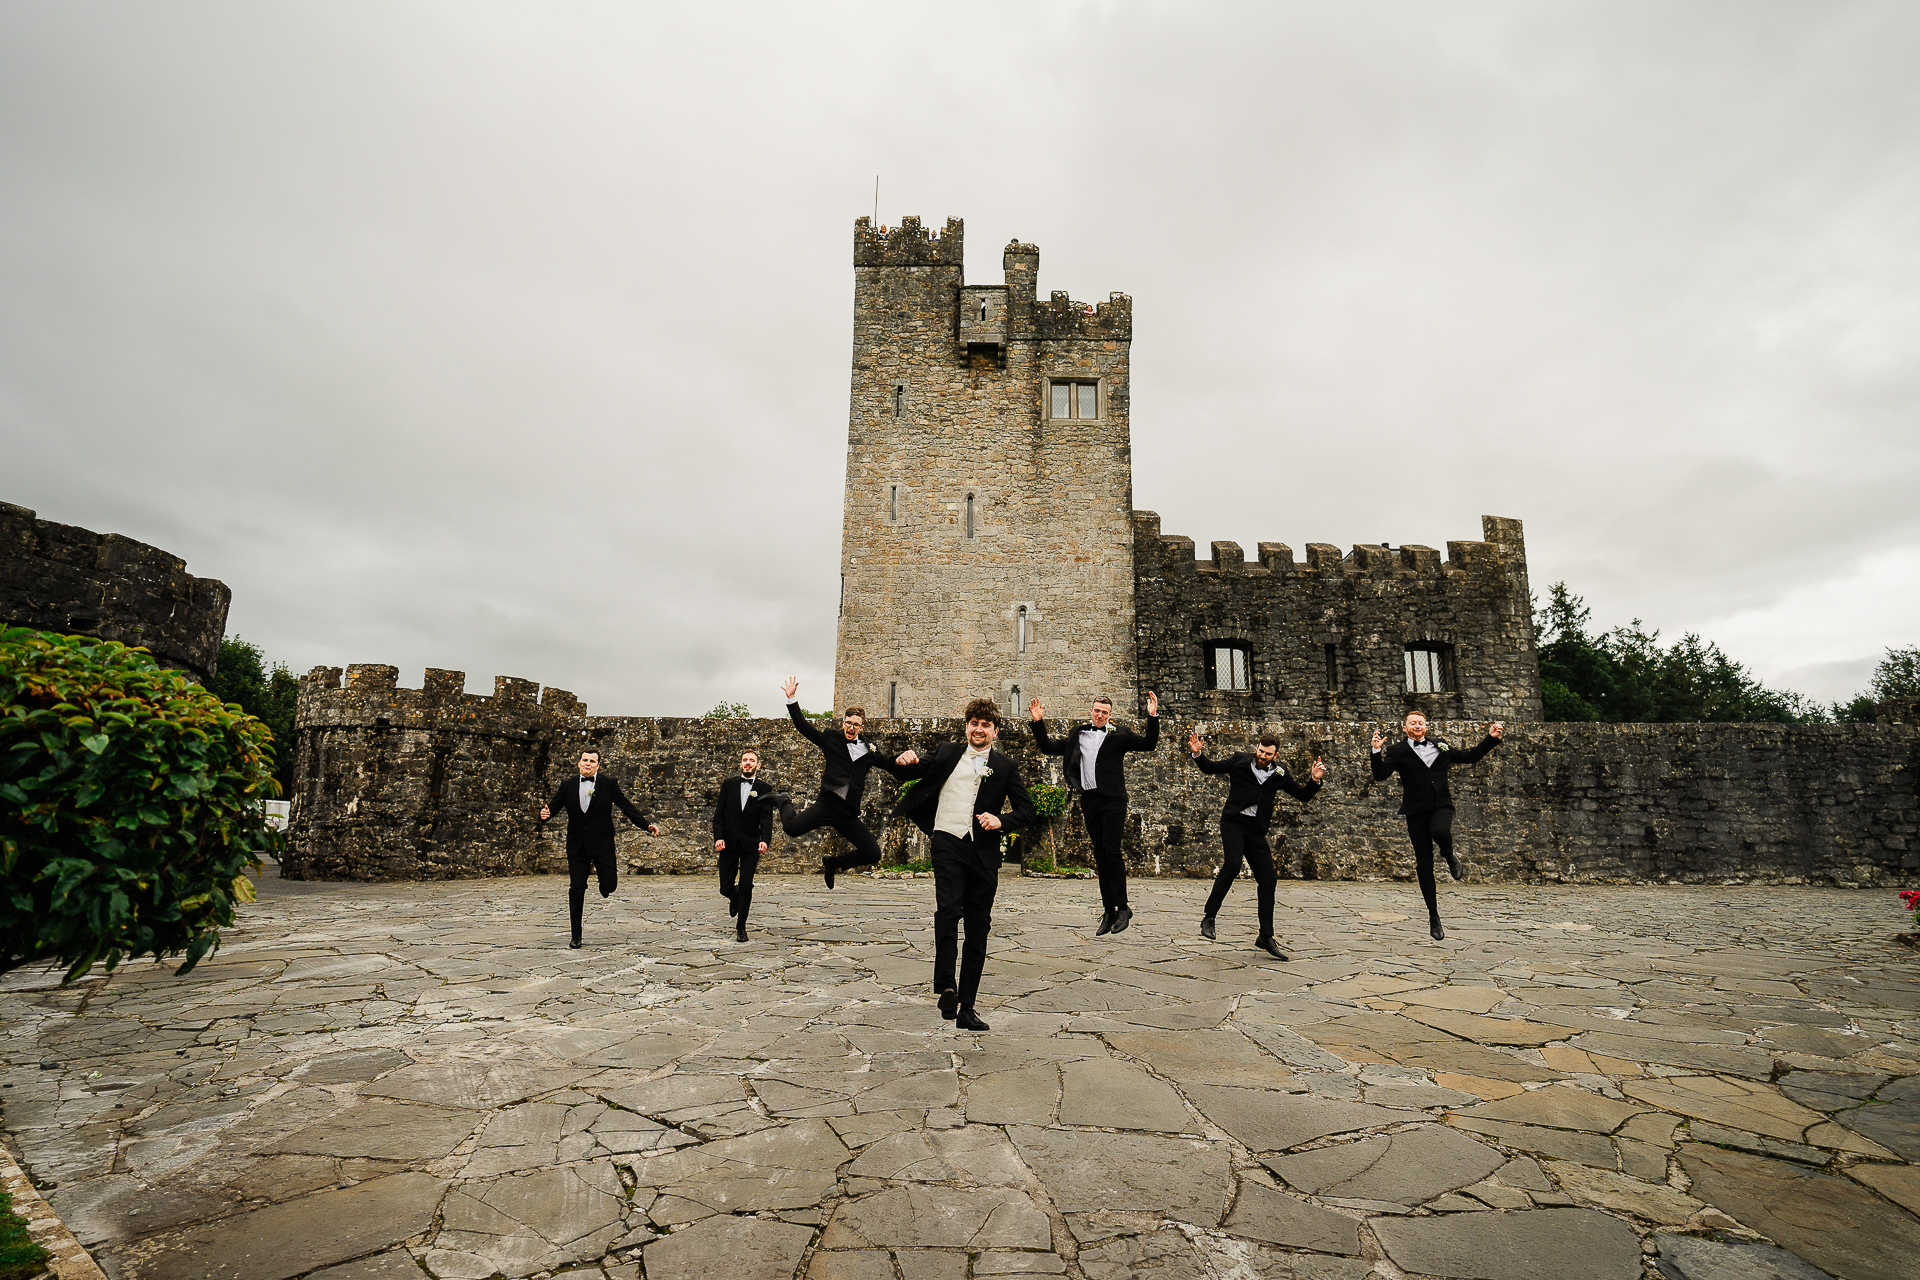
(987, 544)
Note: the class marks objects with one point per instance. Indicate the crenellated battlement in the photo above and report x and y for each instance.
(370, 695)
(1495, 554)
(909, 244)
(1062, 317)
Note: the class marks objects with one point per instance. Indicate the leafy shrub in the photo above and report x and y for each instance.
(129, 805)
(1049, 801)
(728, 711)
(20, 1257)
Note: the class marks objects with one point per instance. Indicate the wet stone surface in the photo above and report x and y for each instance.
(1580, 1082)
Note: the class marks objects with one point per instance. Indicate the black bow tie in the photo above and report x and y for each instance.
(585, 778)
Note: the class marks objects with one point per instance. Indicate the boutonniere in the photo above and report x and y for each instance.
(987, 771)
(1440, 746)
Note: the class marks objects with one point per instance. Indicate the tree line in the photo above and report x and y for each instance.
(1626, 676)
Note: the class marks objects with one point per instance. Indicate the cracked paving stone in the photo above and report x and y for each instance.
(977, 1154)
(1831, 1222)
(1277, 1218)
(1604, 1189)
(1737, 1104)
(1026, 1095)
(1691, 1258)
(1184, 1179)
(382, 1131)
(1559, 1107)
(924, 1217)
(1567, 1244)
(1264, 1120)
(1407, 1168)
(288, 1239)
(732, 1247)
(1203, 1057)
(1120, 1095)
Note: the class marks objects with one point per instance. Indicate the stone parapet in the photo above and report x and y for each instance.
(57, 577)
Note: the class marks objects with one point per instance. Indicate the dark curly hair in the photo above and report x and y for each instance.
(983, 709)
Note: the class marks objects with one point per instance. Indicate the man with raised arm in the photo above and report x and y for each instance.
(589, 800)
(1425, 799)
(1095, 754)
(1254, 780)
(848, 755)
(742, 826)
(957, 798)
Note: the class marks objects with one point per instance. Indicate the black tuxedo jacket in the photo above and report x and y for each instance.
(1423, 786)
(1109, 767)
(841, 772)
(1000, 787)
(1244, 789)
(744, 829)
(592, 831)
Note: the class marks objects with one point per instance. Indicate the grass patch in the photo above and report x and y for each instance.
(20, 1257)
(905, 866)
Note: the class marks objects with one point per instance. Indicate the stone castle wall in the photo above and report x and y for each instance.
(435, 783)
(986, 544)
(56, 577)
(1326, 638)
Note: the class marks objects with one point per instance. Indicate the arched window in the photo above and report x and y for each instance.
(1020, 627)
(969, 525)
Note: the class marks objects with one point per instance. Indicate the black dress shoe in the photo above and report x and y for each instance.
(1106, 923)
(1206, 928)
(968, 1020)
(1272, 948)
(1122, 918)
(949, 1004)
(1439, 934)
(740, 931)
(777, 800)
(1454, 868)
(575, 944)
(826, 869)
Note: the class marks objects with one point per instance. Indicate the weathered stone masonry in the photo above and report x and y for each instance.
(56, 577)
(1327, 639)
(436, 783)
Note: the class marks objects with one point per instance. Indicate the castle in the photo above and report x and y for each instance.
(989, 542)
(990, 545)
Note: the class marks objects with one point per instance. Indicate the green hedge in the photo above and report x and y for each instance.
(20, 1257)
(129, 810)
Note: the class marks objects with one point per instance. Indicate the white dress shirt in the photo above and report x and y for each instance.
(746, 791)
(1091, 740)
(1427, 752)
(954, 814)
(586, 793)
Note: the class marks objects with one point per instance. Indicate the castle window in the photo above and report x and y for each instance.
(1427, 668)
(1229, 666)
(893, 503)
(983, 308)
(969, 525)
(1074, 400)
(1020, 628)
(899, 401)
(1333, 666)
(893, 698)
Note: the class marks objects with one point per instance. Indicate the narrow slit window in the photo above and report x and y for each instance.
(893, 698)
(969, 515)
(899, 402)
(1333, 667)
(1020, 628)
(893, 502)
(983, 308)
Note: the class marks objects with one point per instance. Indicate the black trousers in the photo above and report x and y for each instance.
(579, 864)
(1242, 840)
(831, 811)
(965, 879)
(1435, 827)
(1106, 819)
(736, 873)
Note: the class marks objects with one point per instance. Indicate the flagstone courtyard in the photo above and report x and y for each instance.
(378, 1082)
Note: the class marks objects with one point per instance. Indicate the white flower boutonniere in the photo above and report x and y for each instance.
(1441, 746)
(987, 771)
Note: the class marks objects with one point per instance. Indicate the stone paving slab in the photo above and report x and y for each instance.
(1586, 1083)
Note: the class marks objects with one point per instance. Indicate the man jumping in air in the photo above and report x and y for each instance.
(1425, 799)
(843, 779)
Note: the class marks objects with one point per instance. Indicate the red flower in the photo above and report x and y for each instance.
(1911, 897)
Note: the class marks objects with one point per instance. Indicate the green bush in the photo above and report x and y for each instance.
(20, 1257)
(129, 805)
(269, 695)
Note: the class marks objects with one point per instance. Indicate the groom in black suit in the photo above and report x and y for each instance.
(742, 826)
(589, 800)
(1425, 799)
(1095, 768)
(1254, 781)
(848, 756)
(956, 798)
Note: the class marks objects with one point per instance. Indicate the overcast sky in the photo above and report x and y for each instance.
(513, 337)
